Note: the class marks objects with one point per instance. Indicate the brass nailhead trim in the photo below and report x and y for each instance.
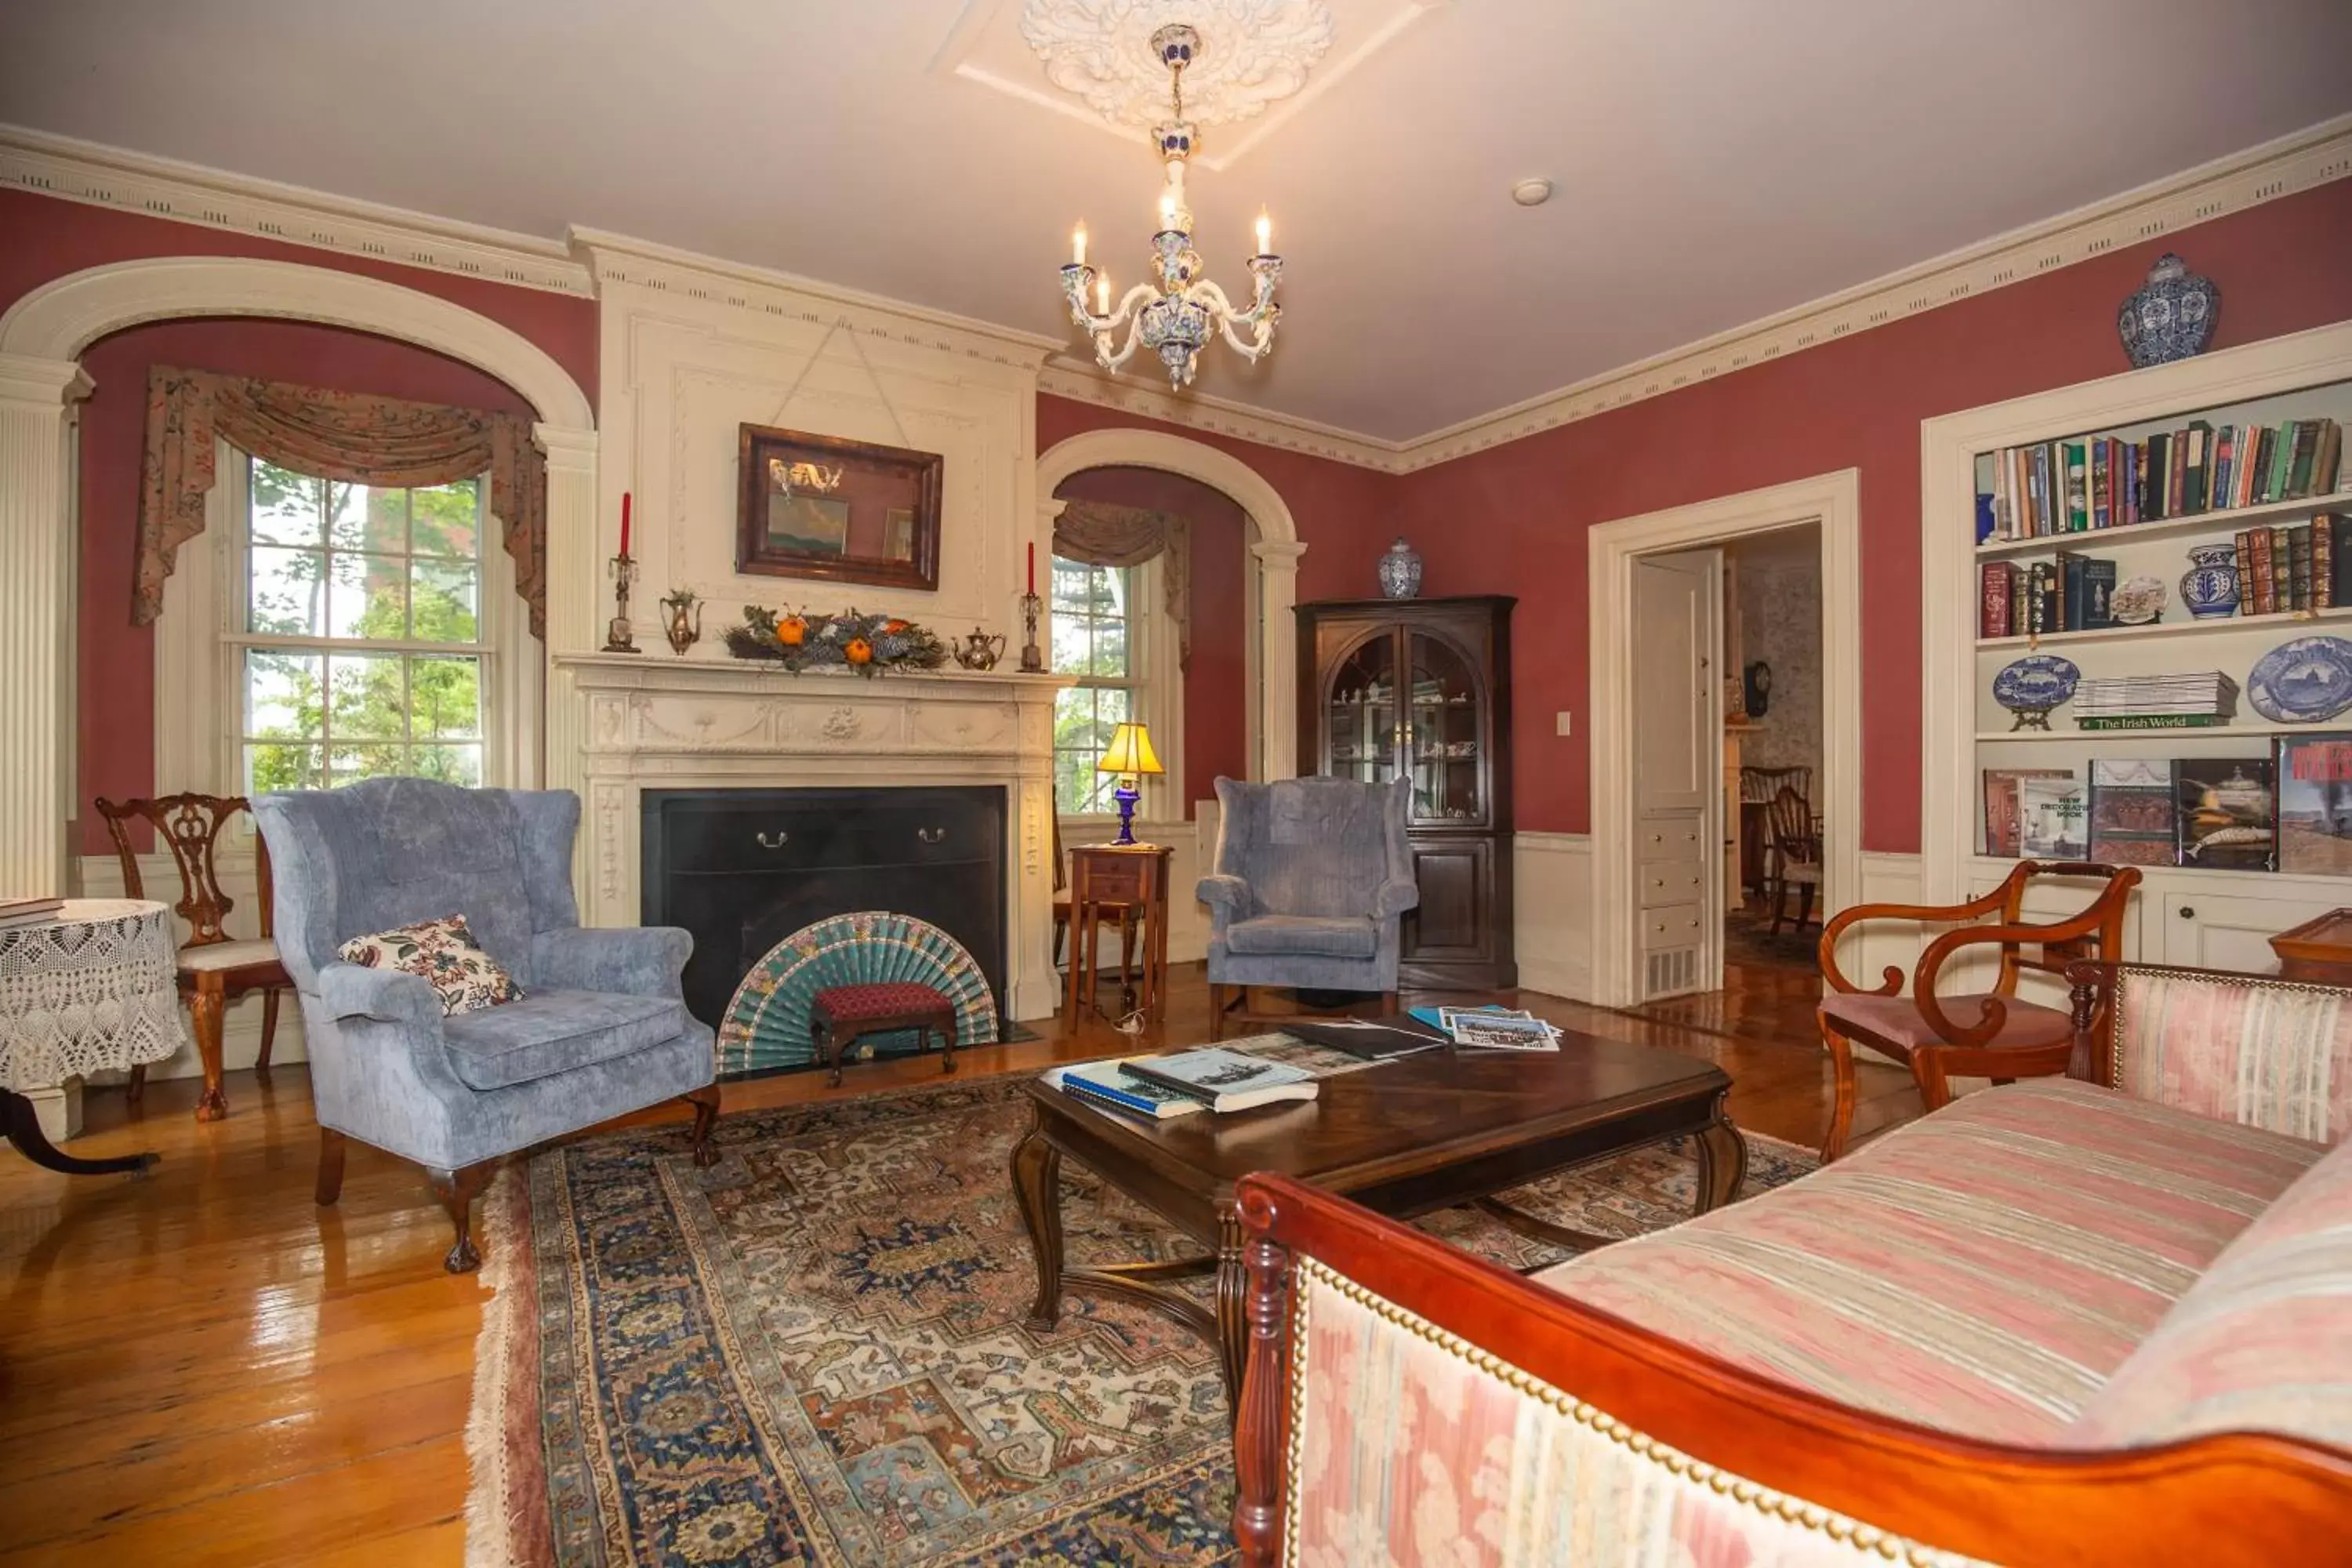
(1752, 1494)
(2244, 982)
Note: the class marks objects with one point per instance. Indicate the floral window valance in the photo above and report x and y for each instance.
(1103, 533)
(344, 436)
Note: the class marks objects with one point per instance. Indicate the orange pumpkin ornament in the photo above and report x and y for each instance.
(791, 630)
(857, 650)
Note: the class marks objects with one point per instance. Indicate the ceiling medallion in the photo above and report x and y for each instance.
(1174, 317)
(1103, 51)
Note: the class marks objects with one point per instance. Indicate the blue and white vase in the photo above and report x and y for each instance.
(2210, 586)
(2171, 317)
(1400, 571)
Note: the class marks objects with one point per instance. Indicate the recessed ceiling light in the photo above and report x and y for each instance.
(1531, 193)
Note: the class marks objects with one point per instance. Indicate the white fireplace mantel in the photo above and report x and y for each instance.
(654, 721)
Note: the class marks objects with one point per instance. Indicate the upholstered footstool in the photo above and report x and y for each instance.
(840, 1015)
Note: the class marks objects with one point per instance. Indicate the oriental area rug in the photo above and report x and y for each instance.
(812, 1353)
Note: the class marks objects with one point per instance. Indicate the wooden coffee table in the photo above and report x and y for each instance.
(1404, 1137)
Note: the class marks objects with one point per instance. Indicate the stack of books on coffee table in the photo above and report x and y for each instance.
(1165, 1086)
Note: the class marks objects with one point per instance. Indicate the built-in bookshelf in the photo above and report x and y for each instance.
(2306, 378)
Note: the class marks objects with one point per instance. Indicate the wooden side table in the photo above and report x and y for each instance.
(1102, 876)
(2317, 951)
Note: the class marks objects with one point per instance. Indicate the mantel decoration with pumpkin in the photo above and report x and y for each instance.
(853, 640)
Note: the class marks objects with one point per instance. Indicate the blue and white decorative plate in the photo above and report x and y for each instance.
(2303, 682)
(767, 1023)
(2036, 683)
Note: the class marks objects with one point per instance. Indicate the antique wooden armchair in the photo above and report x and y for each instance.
(214, 968)
(1991, 1034)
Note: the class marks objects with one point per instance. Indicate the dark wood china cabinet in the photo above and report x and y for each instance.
(1423, 688)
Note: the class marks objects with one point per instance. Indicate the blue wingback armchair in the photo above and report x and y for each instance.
(1312, 879)
(602, 1030)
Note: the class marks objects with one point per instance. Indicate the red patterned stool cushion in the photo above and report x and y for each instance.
(849, 1003)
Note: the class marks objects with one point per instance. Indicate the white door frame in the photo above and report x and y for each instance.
(1833, 501)
(1273, 661)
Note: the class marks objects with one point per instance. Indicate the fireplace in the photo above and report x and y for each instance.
(743, 869)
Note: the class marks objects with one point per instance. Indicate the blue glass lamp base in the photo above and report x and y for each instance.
(1127, 794)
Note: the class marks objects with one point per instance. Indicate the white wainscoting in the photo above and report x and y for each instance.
(1552, 911)
(100, 876)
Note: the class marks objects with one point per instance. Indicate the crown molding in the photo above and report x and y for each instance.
(2313, 156)
(766, 292)
(97, 175)
(1065, 376)
(75, 170)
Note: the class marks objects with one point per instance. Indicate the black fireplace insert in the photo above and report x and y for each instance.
(743, 869)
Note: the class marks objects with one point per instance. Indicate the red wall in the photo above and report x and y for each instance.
(1512, 519)
(49, 239)
(117, 660)
(1216, 723)
(1338, 507)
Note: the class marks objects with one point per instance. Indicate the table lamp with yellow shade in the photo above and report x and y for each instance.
(1131, 756)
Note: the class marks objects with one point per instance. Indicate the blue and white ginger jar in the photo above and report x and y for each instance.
(1400, 571)
(2210, 586)
(2171, 317)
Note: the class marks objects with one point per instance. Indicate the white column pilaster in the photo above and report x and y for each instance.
(1277, 564)
(575, 593)
(36, 620)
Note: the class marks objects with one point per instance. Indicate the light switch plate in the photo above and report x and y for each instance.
(1560, 723)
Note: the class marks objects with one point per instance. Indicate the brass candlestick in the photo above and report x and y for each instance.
(623, 569)
(1033, 658)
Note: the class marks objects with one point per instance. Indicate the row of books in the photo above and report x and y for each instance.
(2105, 481)
(2069, 593)
(2282, 569)
(2290, 810)
(2298, 566)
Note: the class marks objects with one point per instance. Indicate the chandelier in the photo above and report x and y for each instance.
(1174, 317)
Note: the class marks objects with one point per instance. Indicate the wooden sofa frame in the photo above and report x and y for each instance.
(2252, 1498)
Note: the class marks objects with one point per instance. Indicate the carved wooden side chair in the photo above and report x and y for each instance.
(1793, 854)
(1988, 1034)
(215, 968)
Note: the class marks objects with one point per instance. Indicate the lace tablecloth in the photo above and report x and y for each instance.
(91, 987)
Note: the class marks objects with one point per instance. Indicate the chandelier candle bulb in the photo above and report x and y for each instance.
(1102, 296)
(1264, 234)
(1079, 245)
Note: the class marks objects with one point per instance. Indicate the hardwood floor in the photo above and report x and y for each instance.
(199, 1366)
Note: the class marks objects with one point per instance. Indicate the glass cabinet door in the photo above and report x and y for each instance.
(1360, 718)
(1443, 734)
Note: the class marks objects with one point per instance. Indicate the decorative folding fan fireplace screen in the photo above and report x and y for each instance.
(766, 1025)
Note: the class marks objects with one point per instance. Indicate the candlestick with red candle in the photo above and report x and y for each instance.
(1032, 566)
(624, 523)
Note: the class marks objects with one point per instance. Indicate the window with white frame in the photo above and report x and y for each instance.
(358, 630)
(1096, 639)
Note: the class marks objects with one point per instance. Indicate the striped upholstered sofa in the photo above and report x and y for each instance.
(2103, 1318)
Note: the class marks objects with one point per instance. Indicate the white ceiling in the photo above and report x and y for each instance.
(1715, 161)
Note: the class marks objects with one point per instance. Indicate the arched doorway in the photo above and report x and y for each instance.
(42, 338)
(1274, 550)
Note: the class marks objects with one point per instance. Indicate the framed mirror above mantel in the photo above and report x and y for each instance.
(837, 511)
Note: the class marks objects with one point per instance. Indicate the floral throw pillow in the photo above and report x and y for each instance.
(444, 954)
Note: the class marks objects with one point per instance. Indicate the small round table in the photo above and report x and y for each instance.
(90, 987)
